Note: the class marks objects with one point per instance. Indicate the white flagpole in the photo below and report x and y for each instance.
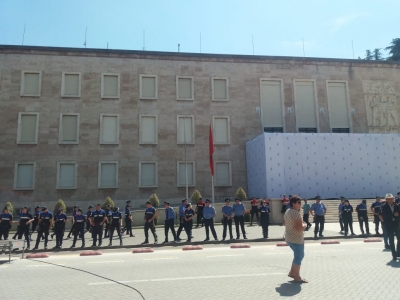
(212, 176)
(186, 173)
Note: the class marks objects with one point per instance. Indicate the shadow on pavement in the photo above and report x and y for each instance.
(289, 289)
(394, 264)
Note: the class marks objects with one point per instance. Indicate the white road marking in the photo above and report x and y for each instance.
(105, 262)
(161, 258)
(227, 255)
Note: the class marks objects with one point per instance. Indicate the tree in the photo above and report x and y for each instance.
(241, 194)
(377, 54)
(154, 200)
(368, 55)
(9, 205)
(60, 204)
(108, 201)
(196, 196)
(394, 50)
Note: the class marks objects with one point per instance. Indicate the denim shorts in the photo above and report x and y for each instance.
(298, 250)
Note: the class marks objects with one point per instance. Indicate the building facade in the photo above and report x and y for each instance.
(84, 124)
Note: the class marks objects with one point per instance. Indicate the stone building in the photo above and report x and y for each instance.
(84, 124)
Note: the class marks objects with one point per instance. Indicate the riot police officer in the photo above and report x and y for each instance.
(45, 224)
(59, 227)
(128, 219)
(227, 215)
(74, 212)
(264, 217)
(181, 210)
(362, 213)
(97, 220)
(35, 218)
(108, 212)
(116, 224)
(24, 222)
(375, 208)
(188, 219)
(149, 216)
(6, 223)
(88, 215)
(347, 217)
(169, 222)
(79, 229)
(238, 210)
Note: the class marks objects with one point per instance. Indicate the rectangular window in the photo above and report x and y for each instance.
(148, 87)
(109, 129)
(182, 173)
(223, 175)
(71, 85)
(31, 83)
(108, 174)
(340, 130)
(308, 130)
(148, 129)
(28, 126)
(110, 85)
(148, 174)
(337, 103)
(306, 116)
(66, 175)
(220, 89)
(184, 88)
(221, 130)
(69, 129)
(24, 176)
(271, 103)
(273, 129)
(185, 129)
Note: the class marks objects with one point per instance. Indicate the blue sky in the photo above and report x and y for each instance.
(278, 27)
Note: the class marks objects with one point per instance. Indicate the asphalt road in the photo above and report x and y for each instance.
(350, 270)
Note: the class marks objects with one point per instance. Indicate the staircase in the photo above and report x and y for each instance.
(332, 209)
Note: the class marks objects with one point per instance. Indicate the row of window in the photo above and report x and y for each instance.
(28, 128)
(31, 83)
(24, 174)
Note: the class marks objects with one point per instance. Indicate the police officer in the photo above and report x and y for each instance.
(340, 211)
(88, 215)
(362, 214)
(59, 227)
(169, 222)
(375, 208)
(35, 218)
(189, 214)
(264, 218)
(6, 223)
(149, 216)
(254, 210)
(181, 213)
(318, 210)
(347, 216)
(45, 224)
(108, 212)
(25, 219)
(97, 220)
(397, 200)
(209, 214)
(74, 212)
(306, 214)
(116, 224)
(79, 229)
(238, 210)
(199, 212)
(227, 215)
(128, 219)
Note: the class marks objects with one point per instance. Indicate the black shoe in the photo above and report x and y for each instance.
(45, 247)
(216, 239)
(238, 237)
(145, 242)
(131, 235)
(178, 239)
(94, 245)
(321, 235)
(231, 238)
(207, 239)
(368, 233)
(223, 239)
(165, 242)
(394, 258)
(109, 244)
(27, 248)
(353, 233)
(197, 226)
(100, 244)
(188, 240)
(83, 246)
(387, 247)
(155, 241)
(315, 237)
(35, 248)
(245, 238)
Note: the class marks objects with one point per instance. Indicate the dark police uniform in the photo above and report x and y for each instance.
(24, 218)
(254, 210)
(74, 213)
(79, 229)
(340, 216)
(264, 219)
(391, 223)
(97, 230)
(319, 210)
(376, 206)
(189, 214)
(238, 210)
(59, 228)
(148, 214)
(169, 223)
(227, 213)
(115, 224)
(209, 212)
(181, 214)
(35, 219)
(128, 221)
(44, 228)
(108, 223)
(199, 212)
(5, 225)
(347, 217)
(88, 216)
(362, 213)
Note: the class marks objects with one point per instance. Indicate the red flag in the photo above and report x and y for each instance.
(211, 148)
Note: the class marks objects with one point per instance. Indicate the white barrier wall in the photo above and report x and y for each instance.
(326, 164)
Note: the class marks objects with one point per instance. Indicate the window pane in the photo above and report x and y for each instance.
(31, 84)
(108, 175)
(337, 100)
(67, 175)
(182, 174)
(305, 104)
(148, 130)
(25, 176)
(149, 87)
(271, 103)
(70, 128)
(185, 88)
(221, 135)
(186, 130)
(110, 86)
(71, 85)
(220, 89)
(110, 128)
(222, 174)
(28, 128)
(148, 174)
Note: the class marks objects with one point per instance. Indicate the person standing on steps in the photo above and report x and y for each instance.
(389, 215)
(88, 216)
(375, 208)
(254, 210)
(209, 214)
(318, 210)
(116, 224)
(264, 218)
(306, 214)
(181, 213)
(79, 229)
(59, 227)
(189, 214)
(347, 216)
(149, 216)
(45, 224)
(97, 220)
(74, 212)
(35, 219)
(25, 219)
(227, 215)
(340, 212)
(238, 211)
(362, 214)
(169, 222)
(199, 212)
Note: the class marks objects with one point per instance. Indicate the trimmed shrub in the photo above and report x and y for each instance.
(60, 204)
(154, 200)
(240, 194)
(108, 201)
(196, 196)
(9, 205)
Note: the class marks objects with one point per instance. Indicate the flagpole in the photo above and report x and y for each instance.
(211, 146)
(212, 186)
(186, 173)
